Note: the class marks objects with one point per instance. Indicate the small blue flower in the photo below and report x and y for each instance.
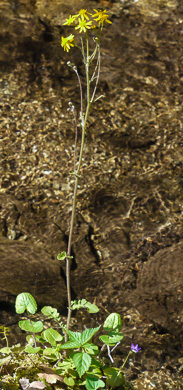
(135, 348)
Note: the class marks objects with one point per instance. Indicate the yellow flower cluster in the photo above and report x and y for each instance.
(67, 42)
(82, 22)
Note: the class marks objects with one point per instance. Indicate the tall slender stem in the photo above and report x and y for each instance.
(77, 174)
(120, 369)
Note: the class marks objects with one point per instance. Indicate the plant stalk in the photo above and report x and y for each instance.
(77, 175)
(121, 368)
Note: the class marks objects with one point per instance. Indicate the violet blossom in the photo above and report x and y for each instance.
(135, 348)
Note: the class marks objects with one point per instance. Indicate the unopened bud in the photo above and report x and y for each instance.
(71, 107)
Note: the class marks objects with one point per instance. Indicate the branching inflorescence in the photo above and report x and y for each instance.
(82, 22)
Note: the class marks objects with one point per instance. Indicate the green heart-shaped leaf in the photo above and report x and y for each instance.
(113, 322)
(31, 326)
(25, 301)
(51, 336)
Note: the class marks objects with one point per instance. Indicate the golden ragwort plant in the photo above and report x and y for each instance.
(77, 362)
(83, 22)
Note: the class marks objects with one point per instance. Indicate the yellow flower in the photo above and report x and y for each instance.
(83, 14)
(83, 25)
(70, 21)
(101, 17)
(66, 43)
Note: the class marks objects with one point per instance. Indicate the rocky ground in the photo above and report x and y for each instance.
(128, 236)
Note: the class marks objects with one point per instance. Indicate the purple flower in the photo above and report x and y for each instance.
(135, 348)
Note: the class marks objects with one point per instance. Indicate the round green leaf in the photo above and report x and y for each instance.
(25, 301)
(112, 338)
(5, 350)
(30, 349)
(92, 308)
(113, 322)
(51, 336)
(50, 312)
(31, 326)
(69, 381)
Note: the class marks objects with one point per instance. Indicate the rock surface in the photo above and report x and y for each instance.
(158, 292)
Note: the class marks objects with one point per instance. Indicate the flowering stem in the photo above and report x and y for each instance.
(77, 174)
(87, 72)
(98, 73)
(121, 368)
(129, 353)
(76, 136)
(81, 91)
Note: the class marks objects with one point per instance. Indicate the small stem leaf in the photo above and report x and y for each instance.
(62, 256)
(31, 326)
(82, 362)
(92, 308)
(76, 305)
(88, 334)
(51, 336)
(113, 322)
(83, 303)
(25, 301)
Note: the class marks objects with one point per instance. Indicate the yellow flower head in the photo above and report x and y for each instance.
(70, 21)
(101, 17)
(83, 25)
(83, 14)
(67, 42)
